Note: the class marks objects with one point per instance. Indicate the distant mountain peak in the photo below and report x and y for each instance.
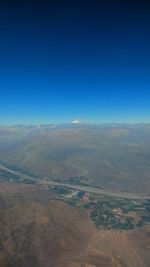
(77, 121)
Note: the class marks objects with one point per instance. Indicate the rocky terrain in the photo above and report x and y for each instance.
(38, 230)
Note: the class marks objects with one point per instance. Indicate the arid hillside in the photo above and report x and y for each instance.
(38, 230)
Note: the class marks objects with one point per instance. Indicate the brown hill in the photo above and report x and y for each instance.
(38, 230)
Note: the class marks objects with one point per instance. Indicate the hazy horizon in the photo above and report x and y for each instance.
(90, 123)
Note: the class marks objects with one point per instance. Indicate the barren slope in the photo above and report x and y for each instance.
(38, 230)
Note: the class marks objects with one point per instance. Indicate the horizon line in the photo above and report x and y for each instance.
(71, 123)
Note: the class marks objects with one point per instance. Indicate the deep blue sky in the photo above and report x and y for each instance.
(62, 60)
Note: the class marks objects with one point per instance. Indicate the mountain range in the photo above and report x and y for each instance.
(112, 156)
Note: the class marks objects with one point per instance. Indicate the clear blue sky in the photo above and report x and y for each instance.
(64, 60)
